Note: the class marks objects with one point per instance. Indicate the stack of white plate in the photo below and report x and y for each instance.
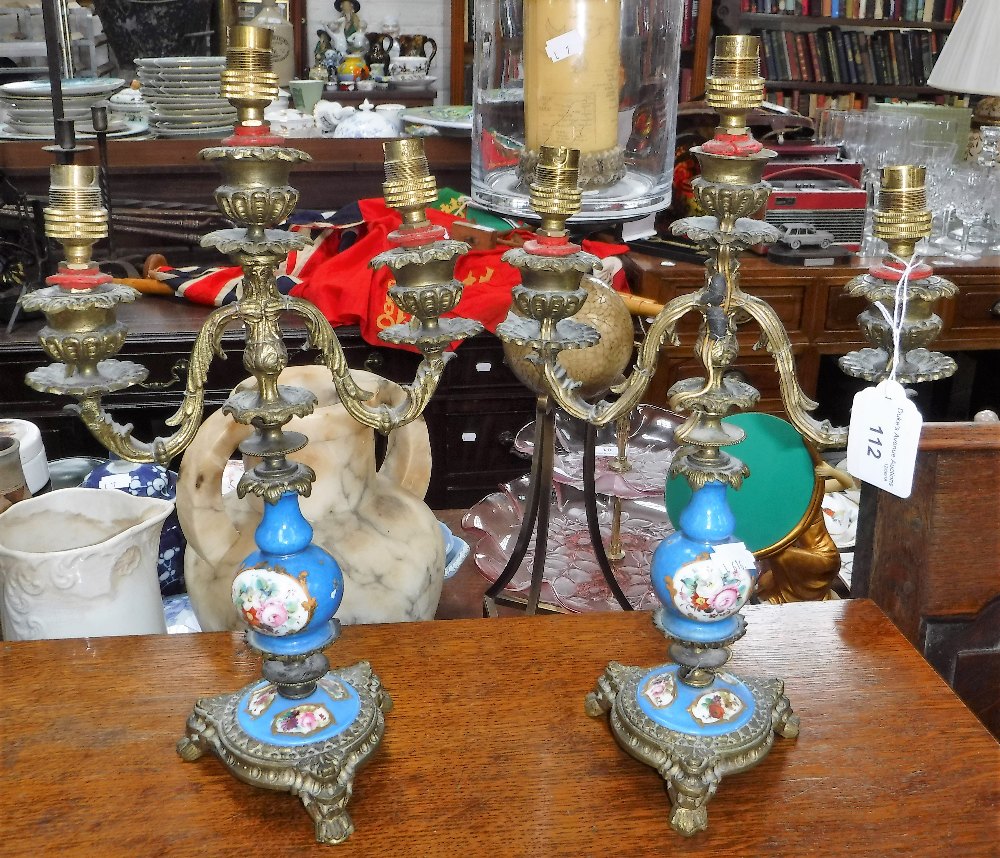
(27, 107)
(184, 94)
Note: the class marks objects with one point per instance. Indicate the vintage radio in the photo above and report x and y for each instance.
(810, 194)
(796, 156)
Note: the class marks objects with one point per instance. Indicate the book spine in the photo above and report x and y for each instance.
(794, 71)
(814, 57)
(802, 52)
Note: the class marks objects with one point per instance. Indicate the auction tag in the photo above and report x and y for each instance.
(883, 437)
(733, 557)
(606, 451)
(567, 45)
(115, 481)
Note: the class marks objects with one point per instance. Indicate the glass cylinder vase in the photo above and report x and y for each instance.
(595, 75)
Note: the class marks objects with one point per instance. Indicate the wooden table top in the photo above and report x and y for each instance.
(488, 750)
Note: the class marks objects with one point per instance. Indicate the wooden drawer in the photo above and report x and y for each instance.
(977, 307)
(787, 302)
(842, 311)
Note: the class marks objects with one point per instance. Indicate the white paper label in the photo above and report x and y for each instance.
(606, 451)
(484, 367)
(882, 444)
(567, 45)
(468, 436)
(115, 481)
(733, 557)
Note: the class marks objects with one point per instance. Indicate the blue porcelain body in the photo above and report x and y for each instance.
(151, 481)
(706, 521)
(325, 713)
(288, 591)
(720, 708)
(285, 548)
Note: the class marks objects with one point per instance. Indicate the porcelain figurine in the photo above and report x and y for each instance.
(353, 65)
(372, 521)
(81, 563)
(329, 114)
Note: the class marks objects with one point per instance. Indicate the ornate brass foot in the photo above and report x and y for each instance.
(321, 773)
(692, 765)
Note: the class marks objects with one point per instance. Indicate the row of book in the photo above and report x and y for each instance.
(689, 21)
(832, 55)
(813, 103)
(891, 10)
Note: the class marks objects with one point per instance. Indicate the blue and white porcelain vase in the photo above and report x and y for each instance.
(149, 481)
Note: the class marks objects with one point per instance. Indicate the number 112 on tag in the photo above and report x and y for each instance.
(882, 444)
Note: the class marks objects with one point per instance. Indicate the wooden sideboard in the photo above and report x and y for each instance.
(488, 750)
(472, 418)
(340, 172)
(821, 321)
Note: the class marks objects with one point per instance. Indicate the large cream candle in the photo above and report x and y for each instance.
(571, 101)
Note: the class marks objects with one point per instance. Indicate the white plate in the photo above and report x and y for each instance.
(181, 103)
(44, 114)
(158, 121)
(218, 131)
(74, 86)
(225, 113)
(131, 129)
(396, 82)
(180, 62)
(46, 129)
(456, 117)
(179, 90)
(180, 78)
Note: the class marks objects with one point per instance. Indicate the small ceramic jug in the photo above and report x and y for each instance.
(81, 563)
(415, 46)
(378, 52)
(372, 520)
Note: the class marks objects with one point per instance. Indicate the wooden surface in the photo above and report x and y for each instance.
(341, 170)
(488, 750)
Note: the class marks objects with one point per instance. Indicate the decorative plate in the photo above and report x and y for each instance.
(399, 82)
(72, 86)
(180, 62)
(131, 129)
(572, 578)
(457, 117)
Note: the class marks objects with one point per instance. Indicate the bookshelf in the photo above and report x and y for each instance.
(865, 50)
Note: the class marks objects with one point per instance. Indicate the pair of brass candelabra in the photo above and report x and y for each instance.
(305, 728)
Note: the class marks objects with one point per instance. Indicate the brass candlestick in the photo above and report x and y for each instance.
(901, 220)
(303, 728)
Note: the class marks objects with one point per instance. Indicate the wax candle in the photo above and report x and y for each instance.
(571, 73)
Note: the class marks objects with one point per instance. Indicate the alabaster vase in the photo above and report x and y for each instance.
(372, 520)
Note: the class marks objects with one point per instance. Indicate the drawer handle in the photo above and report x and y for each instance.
(506, 439)
(178, 375)
(374, 362)
(995, 310)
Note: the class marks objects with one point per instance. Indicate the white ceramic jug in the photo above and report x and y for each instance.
(81, 563)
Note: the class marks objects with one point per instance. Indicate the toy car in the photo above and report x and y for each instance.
(797, 235)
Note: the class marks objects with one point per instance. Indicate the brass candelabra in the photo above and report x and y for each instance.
(662, 716)
(303, 728)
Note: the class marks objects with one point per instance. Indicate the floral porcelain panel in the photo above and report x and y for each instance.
(302, 720)
(260, 699)
(661, 690)
(272, 601)
(716, 707)
(704, 590)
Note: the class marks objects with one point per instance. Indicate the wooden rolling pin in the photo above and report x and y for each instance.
(639, 306)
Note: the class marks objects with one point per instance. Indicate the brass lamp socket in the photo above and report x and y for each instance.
(735, 86)
(409, 186)
(248, 82)
(555, 193)
(901, 217)
(75, 215)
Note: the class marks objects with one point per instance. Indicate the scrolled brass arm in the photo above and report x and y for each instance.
(119, 439)
(353, 397)
(662, 329)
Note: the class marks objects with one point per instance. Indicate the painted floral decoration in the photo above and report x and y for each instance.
(714, 707)
(661, 690)
(303, 719)
(272, 601)
(704, 590)
(260, 699)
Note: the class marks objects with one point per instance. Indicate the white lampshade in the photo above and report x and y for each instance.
(968, 63)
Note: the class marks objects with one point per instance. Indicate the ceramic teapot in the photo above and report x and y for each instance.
(415, 46)
(372, 520)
